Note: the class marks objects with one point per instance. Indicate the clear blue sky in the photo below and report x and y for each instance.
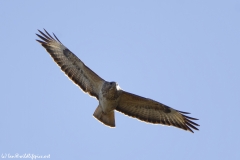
(184, 54)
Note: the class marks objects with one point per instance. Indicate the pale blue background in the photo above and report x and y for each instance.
(182, 53)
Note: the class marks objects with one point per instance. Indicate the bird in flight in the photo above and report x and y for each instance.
(109, 94)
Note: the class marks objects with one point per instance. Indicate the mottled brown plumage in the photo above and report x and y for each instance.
(109, 94)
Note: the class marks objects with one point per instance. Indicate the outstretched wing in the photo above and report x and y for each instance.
(69, 63)
(154, 112)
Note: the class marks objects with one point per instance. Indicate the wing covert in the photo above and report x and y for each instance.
(71, 65)
(150, 111)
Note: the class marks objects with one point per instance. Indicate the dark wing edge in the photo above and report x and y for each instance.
(71, 65)
(150, 111)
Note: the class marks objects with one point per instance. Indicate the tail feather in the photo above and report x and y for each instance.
(107, 119)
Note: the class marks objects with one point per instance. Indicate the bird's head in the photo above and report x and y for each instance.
(114, 86)
(110, 89)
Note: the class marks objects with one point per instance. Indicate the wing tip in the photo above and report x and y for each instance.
(46, 37)
(189, 123)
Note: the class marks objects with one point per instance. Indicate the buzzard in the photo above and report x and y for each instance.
(109, 94)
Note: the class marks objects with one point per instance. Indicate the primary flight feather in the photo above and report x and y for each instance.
(109, 94)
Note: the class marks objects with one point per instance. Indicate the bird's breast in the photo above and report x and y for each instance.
(108, 105)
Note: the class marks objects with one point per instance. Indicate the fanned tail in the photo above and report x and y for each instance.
(107, 119)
